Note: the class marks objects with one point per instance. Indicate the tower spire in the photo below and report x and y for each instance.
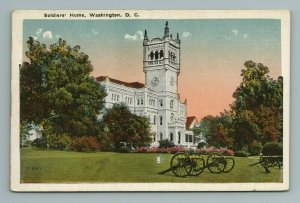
(166, 30)
(145, 35)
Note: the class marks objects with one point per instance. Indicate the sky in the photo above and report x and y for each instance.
(213, 52)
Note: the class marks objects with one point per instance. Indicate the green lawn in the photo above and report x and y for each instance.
(44, 166)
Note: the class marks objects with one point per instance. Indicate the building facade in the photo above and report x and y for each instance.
(158, 98)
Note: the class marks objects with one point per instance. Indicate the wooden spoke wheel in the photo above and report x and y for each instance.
(198, 164)
(215, 163)
(230, 162)
(181, 164)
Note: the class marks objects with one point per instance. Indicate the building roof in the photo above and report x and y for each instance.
(189, 121)
(119, 82)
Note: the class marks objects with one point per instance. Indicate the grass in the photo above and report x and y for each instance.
(44, 166)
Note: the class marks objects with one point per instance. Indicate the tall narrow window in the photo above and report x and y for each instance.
(138, 102)
(161, 54)
(172, 104)
(171, 137)
(186, 138)
(154, 119)
(156, 54)
(160, 136)
(161, 102)
(160, 120)
(142, 102)
(151, 55)
(179, 137)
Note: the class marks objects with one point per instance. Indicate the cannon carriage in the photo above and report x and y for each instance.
(192, 164)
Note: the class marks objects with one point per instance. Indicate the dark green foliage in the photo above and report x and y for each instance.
(57, 91)
(124, 149)
(258, 106)
(240, 153)
(255, 148)
(272, 149)
(85, 144)
(59, 142)
(39, 143)
(201, 144)
(120, 125)
(166, 143)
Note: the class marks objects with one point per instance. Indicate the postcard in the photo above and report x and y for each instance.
(150, 100)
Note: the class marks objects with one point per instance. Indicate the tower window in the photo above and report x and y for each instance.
(154, 119)
(160, 136)
(161, 102)
(161, 54)
(142, 102)
(171, 137)
(179, 137)
(171, 104)
(156, 54)
(138, 102)
(151, 55)
(160, 120)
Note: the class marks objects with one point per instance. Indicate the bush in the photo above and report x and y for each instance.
(39, 143)
(201, 145)
(255, 148)
(241, 153)
(272, 149)
(166, 143)
(124, 149)
(59, 142)
(85, 144)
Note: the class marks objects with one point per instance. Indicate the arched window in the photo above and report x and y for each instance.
(151, 55)
(156, 54)
(161, 54)
(172, 117)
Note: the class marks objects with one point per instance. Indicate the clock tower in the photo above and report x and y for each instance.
(161, 62)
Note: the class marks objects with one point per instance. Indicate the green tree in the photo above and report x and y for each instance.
(123, 126)
(57, 91)
(258, 106)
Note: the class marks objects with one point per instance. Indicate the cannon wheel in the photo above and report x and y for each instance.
(181, 164)
(230, 162)
(198, 164)
(215, 163)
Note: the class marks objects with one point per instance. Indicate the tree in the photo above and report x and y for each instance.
(218, 129)
(123, 126)
(258, 106)
(57, 91)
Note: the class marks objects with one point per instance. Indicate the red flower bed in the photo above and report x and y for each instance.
(173, 150)
(224, 151)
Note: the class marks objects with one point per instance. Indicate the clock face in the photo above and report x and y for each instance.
(172, 81)
(155, 81)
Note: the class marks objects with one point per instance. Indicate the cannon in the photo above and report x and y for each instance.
(192, 164)
(269, 161)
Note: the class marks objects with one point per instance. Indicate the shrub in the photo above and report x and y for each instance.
(201, 144)
(59, 142)
(166, 143)
(39, 143)
(255, 148)
(241, 153)
(272, 149)
(85, 144)
(124, 149)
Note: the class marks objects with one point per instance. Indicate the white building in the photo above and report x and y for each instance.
(158, 98)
